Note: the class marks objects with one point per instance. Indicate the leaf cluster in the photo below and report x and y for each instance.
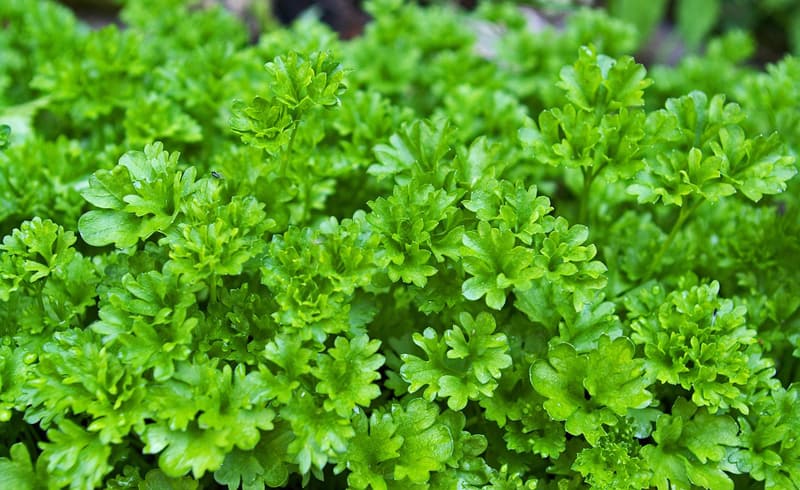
(402, 261)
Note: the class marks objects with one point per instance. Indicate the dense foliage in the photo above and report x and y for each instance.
(775, 23)
(417, 259)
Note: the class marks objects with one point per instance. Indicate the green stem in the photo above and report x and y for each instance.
(27, 109)
(588, 178)
(686, 212)
(598, 169)
(213, 288)
(32, 436)
(287, 154)
(307, 200)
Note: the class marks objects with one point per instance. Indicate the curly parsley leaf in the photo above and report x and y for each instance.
(44, 281)
(347, 373)
(297, 84)
(17, 471)
(689, 445)
(770, 450)
(414, 226)
(372, 451)
(73, 453)
(140, 196)
(590, 391)
(495, 264)
(702, 343)
(463, 365)
(701, 150)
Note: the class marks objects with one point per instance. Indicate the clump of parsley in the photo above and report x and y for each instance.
(391, 262)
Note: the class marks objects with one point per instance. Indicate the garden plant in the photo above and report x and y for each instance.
(454, 252)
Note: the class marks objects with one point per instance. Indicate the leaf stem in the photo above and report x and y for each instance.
(213, 288)
(686, 212)
(588, 178)
(32, 436)
(589, 174)
(307, 200)
(287, 154)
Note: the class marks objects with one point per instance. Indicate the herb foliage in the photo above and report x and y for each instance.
(392, 262)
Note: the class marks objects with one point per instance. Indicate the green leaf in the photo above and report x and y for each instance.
(416, 223)
(518, 410)
(459, 367)
(187, 450)
(564, 260)
(582, 81)
(768, 434)
(496, 265)
(5, 132)
(101, 227)
(233, 413)
(420, 150)
(622, 384)
(302, 82)
(683, 176)
(37, 248)
(98, 387)
(17, 471)
(139, 197)
(263, 465)
(313, 273)
(644, 17)
(158, 480)
(756, 166)
(290, 353)
(108, 189)
(614, 462)
(219, 245)
(99, 73)
(380, 288)
(565, 137)
(419, 372)
(297, 84)
(484, 349)
(371, 453)
(510, 206)
(240, 470)
(592, 390)
(149, 317)
(700, 150)
(262, 124)
(506, 479)
(583, 329)
(427, 443)
(39, 261)
(156, 117)
(74, 454)
(347, 373)
(689, 444)
(320, 435)
(696, 19)
(599, 82)
(699, 341)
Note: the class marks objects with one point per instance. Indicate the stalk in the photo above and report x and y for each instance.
(588, 179)
(212, 289)
(685, 213)
(287, 154)
(587, 185)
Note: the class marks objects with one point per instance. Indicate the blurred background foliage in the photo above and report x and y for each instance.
(667, 29)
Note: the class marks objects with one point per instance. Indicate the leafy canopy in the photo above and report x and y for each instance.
(411, 260)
